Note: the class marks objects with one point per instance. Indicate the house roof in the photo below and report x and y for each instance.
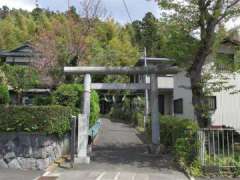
(232, 41)
(154, 61)
(19, 51)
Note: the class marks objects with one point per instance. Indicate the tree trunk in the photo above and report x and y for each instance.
(195, 73)
(19, 98)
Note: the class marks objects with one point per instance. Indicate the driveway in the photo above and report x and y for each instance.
(120, 154)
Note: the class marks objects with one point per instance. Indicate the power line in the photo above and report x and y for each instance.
(127, 10)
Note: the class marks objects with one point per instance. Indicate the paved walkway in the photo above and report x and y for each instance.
(119, 154)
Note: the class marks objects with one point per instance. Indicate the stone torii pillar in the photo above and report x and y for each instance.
(83, 123)
(87, 94)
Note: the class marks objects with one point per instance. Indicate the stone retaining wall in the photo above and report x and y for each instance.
(31, 151)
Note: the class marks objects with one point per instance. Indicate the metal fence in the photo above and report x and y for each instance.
(219, 147)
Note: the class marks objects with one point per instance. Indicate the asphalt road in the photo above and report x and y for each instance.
(14, 174)
(120, 154)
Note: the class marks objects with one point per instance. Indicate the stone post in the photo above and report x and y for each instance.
(154, 110)
(83, 123)
(87, 94)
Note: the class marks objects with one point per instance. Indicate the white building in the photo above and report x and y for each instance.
(175, 95)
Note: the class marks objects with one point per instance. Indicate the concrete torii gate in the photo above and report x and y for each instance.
(83, 120)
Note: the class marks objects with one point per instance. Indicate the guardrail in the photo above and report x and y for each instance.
(93, 131)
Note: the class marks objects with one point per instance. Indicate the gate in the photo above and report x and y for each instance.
(83, 119)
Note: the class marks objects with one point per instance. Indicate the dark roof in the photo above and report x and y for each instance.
(232, 41)
(18, 53)
(154, 61)
(23, 46)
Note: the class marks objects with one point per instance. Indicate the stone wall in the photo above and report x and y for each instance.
(31, 151)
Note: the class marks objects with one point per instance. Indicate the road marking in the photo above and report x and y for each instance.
(100, 176)
(117, 176)
(133, 177)
(147, 176)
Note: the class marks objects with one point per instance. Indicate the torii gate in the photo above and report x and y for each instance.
(83, 120)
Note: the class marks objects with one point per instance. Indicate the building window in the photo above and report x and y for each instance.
(178, 106)
(211, 102)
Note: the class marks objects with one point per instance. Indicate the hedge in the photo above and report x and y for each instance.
(4, 94)
(42, 119)
(179, 135)
(71, 95)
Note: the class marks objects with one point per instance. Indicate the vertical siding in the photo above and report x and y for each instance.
(228, 105)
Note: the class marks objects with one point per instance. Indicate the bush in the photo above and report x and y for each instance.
(3, 79)
(71, 95)
(4, 94)
(68, 95)
(180, 136)
(42, 101)
(43, 119)
(95, 108)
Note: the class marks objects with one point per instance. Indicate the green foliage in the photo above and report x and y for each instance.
(164, 38)
(20, 77)
(71, 95)
(42, 100)
(95, 108)
(4, 94)
(173, 128)
(68, 95)
(122, 111)
(130, 111)
(43, 119)
(148, 33)
(3, 79)
(180, 136)
(111, 45)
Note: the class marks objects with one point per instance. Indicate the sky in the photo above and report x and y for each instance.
(115, 8)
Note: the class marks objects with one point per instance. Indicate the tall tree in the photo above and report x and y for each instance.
(206, 16)
(20, 78)
(147, 33)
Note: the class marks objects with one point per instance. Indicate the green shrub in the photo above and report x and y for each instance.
(173, 128)
(95, 108)
(43, 119)
(4, 94)
(180, 136)
(42, 100)
(71, 95)
(3, 79)
(68, 95)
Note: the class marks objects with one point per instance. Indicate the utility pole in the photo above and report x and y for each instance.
(68, 5)
(37, 3)
(146, 92)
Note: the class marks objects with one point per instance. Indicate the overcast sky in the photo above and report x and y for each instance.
(115, 8)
